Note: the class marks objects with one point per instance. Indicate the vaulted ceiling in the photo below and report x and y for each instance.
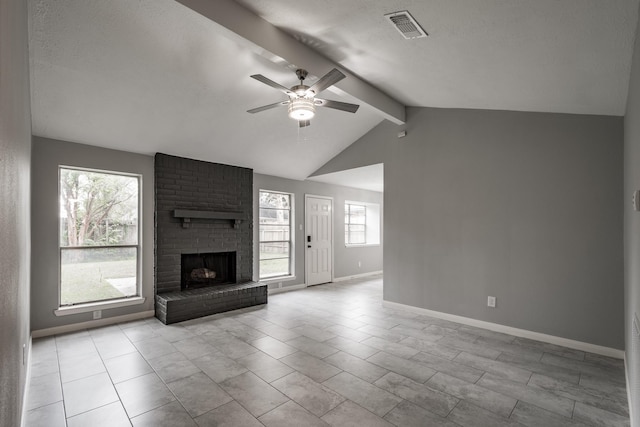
(166, 76)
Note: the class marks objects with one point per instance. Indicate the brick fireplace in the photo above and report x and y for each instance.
(203, 238)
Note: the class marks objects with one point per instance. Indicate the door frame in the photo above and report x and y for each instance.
(306, 229)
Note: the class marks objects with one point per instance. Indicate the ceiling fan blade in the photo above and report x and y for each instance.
(268, 107)
(337, 105)
(263, 79)
(304, 123)
(331, 78)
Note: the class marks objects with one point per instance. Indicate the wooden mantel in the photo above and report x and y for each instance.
(187, 215)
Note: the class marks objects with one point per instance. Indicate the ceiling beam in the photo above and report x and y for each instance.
(271, 42)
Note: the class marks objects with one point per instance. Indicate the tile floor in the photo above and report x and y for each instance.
(327, 355)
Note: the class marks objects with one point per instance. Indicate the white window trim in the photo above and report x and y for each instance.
(368, 227)
(292, 232)
(64, 310)
(360, 245)
(278, 279)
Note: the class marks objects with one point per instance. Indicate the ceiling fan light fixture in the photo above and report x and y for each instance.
(302, 109)
(302, 101)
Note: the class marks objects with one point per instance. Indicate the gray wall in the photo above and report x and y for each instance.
(526, 207)
(15, 153)
(632, 230)
(345, 259)
(47, 155)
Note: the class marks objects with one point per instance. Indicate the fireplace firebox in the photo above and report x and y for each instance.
(207, 269)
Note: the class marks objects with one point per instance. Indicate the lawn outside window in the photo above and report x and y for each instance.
(99, 236)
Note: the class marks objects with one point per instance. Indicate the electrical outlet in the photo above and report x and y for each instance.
(97, 314)
(491, 302)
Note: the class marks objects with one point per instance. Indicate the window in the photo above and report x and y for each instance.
(361, 224)
(275, 234)
(355, 224)
(99, 236)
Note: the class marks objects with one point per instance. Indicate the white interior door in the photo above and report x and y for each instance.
(318, 240)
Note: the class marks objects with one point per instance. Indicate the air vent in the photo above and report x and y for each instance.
(406, 25)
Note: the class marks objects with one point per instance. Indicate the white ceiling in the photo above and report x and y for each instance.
(568, 56)
(366, 177)
(155, 76)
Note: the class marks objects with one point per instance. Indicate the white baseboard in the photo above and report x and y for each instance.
(337, 279)
(27, 385)
(91, 324)
(523, 333)
(628, 381)
(287, 289)
(356, 276)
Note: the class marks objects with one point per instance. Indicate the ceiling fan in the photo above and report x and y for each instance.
(302, 100)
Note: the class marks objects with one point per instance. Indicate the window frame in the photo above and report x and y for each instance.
(348, 224)
(137, 298)
(372, 223)
(291, 241)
